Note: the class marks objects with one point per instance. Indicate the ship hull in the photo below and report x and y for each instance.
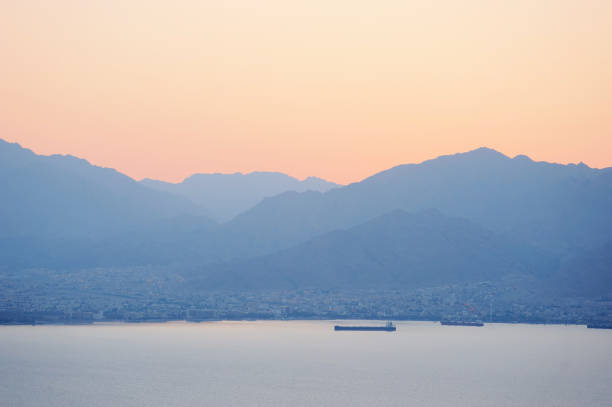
(462, 323)
(599, 326)
(364, 328)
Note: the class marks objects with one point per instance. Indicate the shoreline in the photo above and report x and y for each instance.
(208, 321)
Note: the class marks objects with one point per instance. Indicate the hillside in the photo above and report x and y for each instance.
(57, 209)
(451, 219)
(395, 250)
(555, 207)
(226, 195)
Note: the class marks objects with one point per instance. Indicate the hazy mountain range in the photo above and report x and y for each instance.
(398, 249)
(473, 216)
(64, 196)
(226, 195)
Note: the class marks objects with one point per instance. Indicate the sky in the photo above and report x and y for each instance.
(339, 89)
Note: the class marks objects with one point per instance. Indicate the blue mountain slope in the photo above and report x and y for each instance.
(50, 202)
(556, 207)
(60, 211)
(395, 250)
(66, 196)
(226, 195)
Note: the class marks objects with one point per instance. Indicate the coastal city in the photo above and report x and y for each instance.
(154, 295)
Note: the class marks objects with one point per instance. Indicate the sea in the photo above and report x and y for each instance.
(304, 363)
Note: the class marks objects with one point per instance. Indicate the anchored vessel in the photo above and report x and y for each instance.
(600, 325)
(463, 323)
(389, 327)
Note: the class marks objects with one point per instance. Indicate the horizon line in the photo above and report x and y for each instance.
(301, 179)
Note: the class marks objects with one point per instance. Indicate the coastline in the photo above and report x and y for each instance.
(331, 321)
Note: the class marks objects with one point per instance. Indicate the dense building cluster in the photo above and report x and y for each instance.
(148, 294)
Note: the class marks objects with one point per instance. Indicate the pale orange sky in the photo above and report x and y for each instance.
(334, 88)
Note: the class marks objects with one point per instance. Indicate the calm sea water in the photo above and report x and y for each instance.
(304, 364)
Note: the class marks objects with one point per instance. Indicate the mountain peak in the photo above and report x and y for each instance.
(226, 195)
(480, 155)
(13, 154)
(485, 152)
(522, 157)
(12, 147)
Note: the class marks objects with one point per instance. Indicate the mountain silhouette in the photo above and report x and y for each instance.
(457, 218)
(57, 208)
(552, 206)
(395, 250)
(226, 195)
(66, 196)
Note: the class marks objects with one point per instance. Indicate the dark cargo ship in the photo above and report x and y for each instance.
(462, 323)
(600, 325)
(389, 327)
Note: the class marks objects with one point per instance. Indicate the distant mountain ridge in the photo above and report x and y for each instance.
(226, 195)
(395, 250)
(453, 218)
(65, 196)
(57, 211)
(553, 206)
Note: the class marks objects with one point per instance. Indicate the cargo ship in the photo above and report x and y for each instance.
(462, 323)
(389, 327)
(600, 325)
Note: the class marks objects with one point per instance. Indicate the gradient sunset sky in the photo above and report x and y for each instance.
(333, 88)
